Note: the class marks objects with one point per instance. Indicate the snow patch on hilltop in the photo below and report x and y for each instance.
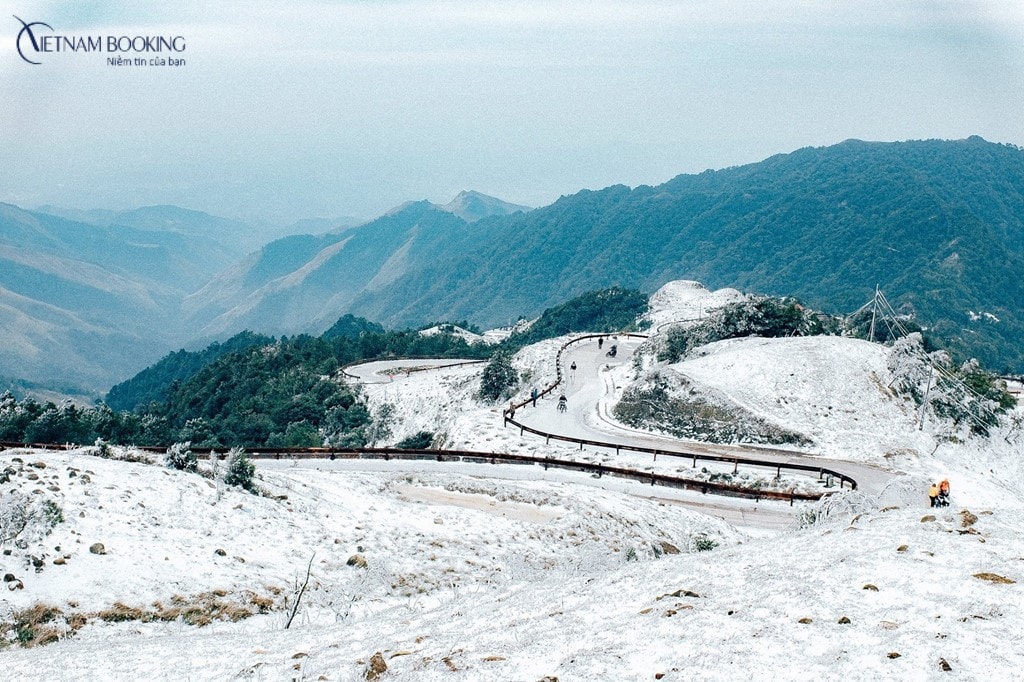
(685, 300)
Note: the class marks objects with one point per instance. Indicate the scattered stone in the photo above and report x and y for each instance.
(548, 678)
(97, 548)
(893, 654)
(300, 654)
(669, 548)
(59, 561)
(37, 563)
(644, 612)
(994, 578)
(33, 477)
(927, 518)
(681, 593)
(337, 541)
(806, 621)
(15, 585)
(901, 548)
(888, 625)
(38, 465)
(84, 478)
(72, 474)
(81, 514)
(658, 676)
(9, 578)
(357, 560)
(438, 520)
(240, 560)
(944, 665)
(967, 519)
(844, 621)
(871, 587)
(885, 509)
(18, 459)
(377, 666)
(489, 659)
(220, 552)
(403, 652)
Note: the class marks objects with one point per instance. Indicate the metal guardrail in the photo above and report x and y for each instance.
(387, 454)
(508, 418)
(547, 462)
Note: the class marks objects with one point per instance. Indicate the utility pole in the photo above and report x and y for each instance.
(874, 309)
(924, 403)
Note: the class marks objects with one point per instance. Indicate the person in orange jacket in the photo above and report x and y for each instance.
(943, 499)
(933, 494)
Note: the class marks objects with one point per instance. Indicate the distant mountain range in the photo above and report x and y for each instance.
(939, 225)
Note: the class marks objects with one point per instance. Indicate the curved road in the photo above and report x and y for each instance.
(591, 391)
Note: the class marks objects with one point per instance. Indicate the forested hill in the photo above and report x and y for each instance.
(939, 225)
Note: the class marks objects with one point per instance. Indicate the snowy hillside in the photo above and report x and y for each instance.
(829, 388)
(467, 578)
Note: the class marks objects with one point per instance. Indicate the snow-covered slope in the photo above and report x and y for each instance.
(829, 388)
(470, 579)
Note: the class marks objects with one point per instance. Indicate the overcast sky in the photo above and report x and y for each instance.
(348, 108)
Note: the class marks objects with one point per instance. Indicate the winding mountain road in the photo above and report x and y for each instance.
(591, 391)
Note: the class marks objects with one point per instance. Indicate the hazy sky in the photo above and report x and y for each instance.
(306, 108)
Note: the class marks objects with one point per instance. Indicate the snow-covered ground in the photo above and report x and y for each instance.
(490, 572)
(459, 583)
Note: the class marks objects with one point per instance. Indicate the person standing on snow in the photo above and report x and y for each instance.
(933, 495)
(533, 396)
(943, 499)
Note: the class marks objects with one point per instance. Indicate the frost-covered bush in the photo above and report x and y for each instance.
(499, 377)
(179, 456)
(239, 471)
(27, 518)
(102, 449)
(419, 441)
(837, 506)
(669, 402)
(756, 316)
(702, 543)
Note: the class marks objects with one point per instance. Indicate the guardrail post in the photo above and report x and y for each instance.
(546, 463)
(547, 440)
(790, 500)
(821, 474)
(695, 461)
(778, 472)
(599, 471)
(581, 446)
(652, 479)
(655, 455)
(735, 466)
(616, 450)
